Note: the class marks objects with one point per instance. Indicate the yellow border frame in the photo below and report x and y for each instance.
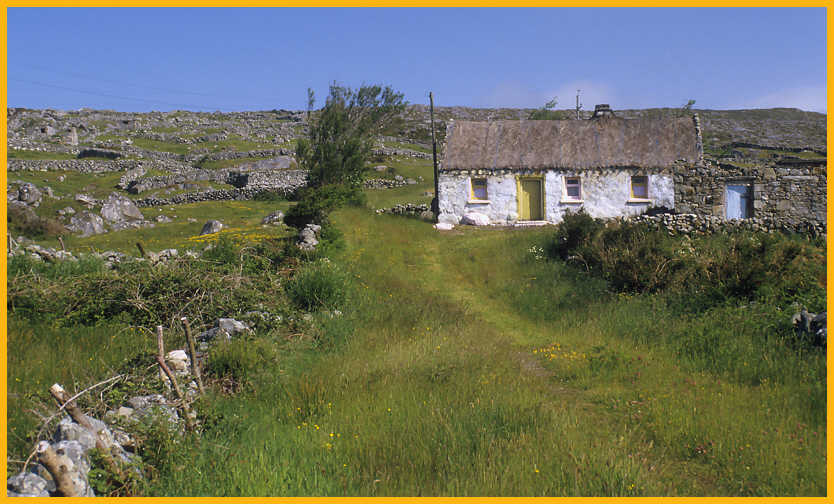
(419, 3)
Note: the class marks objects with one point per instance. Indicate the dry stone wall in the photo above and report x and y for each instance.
(790, 194)
(90, 166)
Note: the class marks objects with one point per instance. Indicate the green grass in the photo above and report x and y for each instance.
(240, 219)
(466, 354)
(38, 155)
(408, 168)
(409, 146)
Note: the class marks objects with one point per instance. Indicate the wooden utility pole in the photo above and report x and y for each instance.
(435, 207)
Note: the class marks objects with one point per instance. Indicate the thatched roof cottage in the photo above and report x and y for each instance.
(535, 171)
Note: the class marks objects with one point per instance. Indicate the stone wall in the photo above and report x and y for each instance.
(790, 193)
(89, 166)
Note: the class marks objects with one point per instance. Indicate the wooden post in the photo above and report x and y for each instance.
(184, 404)
(160, 343)
(195, 366)
(61, 241)
(436, 201)
(49, 458)
(141, 249)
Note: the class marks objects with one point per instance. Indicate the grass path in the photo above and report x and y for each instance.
(464, 366)
(459, 269)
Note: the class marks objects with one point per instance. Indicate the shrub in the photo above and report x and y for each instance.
(700, 272)
(318, 285)
(24, 220)
(572, 234)
(315, 203)
(225, 251)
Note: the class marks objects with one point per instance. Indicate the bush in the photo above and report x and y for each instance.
(572, 234)
(24, 220)
(700, 272)
(315, 203)
(318, 285)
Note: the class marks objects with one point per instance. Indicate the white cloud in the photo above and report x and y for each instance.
(812, 98)
(512, 95)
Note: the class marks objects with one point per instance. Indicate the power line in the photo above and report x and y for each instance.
(107, 95)
(121, 83)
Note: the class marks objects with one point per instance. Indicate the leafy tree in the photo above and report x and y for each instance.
(547, 112)
(342, 133)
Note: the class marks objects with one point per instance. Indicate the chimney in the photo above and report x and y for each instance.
(602, 110)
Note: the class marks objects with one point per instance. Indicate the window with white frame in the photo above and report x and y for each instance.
(573, 188)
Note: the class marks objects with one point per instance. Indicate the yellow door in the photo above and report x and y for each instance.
(530, 200)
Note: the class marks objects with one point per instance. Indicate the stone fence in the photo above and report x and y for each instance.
(92, 166)
(692, 224)
(792, 194)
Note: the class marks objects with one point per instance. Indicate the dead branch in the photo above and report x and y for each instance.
(183, 403)
(195, 366)
(81, 419)
(59, 471)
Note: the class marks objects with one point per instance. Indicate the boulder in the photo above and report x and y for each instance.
(212, 226)
(177, 361)
(475, 219)
(226, 328)
(86, 200)
(87, 224)
(29, 193)
(276, 217)
(26, 484)
(118, 208)
(444, 226)
(308, 237)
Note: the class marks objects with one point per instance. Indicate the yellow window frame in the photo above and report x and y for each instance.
(479, 182)
(638, 181)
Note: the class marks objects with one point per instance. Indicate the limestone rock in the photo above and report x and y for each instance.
(87, 224)
(26, 485)
(212, 226)
(118, 208)
(29, 194)
(308, 237)
(276, 217)
(86, 200)
(177, 361)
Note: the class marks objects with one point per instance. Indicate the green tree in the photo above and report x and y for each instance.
(547, 112)
(342, 133)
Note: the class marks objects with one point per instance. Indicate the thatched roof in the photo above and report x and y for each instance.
(539, 145)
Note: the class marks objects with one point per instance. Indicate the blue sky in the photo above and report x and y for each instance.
(259, 59)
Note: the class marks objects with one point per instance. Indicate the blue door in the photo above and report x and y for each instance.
(738, 202)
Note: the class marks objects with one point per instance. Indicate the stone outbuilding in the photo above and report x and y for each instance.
(530, 171)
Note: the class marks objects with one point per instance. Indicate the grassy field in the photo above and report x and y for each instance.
(464, 363)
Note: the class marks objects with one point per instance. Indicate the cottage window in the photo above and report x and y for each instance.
(573, 188)
(479, 189)
(640, 187)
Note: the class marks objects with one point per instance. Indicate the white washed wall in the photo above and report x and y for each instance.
(604, 194)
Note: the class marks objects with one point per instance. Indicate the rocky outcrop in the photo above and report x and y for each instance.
(308, 237)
